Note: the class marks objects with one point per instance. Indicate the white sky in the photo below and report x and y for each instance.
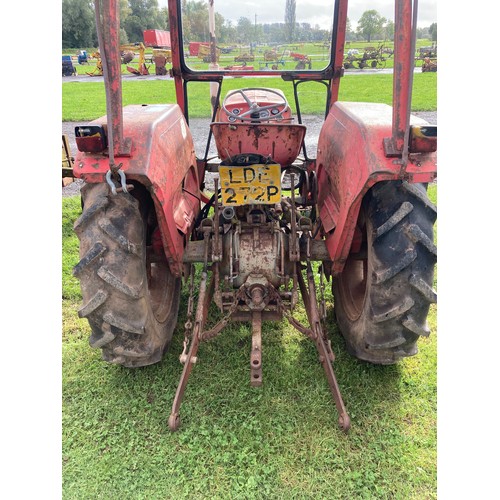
(316, 11)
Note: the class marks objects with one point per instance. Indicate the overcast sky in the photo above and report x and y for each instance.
(315, 11)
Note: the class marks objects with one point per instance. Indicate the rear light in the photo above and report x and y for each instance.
(90, 138)
(423, 138)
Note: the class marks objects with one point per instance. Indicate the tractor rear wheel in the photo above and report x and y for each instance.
(130, 302)
(383, 295)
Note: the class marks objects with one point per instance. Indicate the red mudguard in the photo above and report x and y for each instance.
(350, 160)
(162, 158)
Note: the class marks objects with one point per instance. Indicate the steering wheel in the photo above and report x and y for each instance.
(255, 109)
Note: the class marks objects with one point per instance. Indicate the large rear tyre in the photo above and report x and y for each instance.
(130, 302)
(383, 295)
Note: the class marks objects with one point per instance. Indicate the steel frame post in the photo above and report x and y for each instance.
(108, 34)
(404, 49)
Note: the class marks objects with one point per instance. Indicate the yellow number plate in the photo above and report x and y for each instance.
(253, 184)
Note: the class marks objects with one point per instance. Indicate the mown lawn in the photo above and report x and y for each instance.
(279, 441)
(86, 100)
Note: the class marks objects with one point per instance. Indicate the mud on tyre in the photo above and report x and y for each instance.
(383, 295)
(130, 303)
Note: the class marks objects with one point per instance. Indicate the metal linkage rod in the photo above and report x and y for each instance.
(256, 354)
(325, 352)
(204, 298)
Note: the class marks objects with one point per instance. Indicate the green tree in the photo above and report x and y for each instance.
(290, 20)
(124, 13)
(195, 20)
(370, 24)
(389, 30)
(144, 14)
(78, 24)
(224, 29)
(245, 30)
(349, 33)
(433, 30)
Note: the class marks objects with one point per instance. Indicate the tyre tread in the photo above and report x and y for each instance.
(106, 275)
(405, 208)
(113, 232)
(113, 278)
(381, 277)
(96, 301)
(399, 294)
(94, 253)
(88, 215)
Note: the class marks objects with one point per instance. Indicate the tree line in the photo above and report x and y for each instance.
(373, 26)
(79, 31)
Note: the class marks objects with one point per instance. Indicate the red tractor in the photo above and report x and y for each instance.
(279, 223)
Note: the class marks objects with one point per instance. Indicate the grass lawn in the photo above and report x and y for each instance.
(86, 101)
(279, 441)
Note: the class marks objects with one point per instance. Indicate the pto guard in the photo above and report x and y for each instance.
(162, 158)
(350, 160)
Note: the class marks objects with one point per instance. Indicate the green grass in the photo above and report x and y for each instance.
(279, 441)
(86, 101)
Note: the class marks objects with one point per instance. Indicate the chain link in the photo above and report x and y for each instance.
(188, 326)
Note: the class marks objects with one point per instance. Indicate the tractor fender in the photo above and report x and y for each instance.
(350, 160)
(162, 158)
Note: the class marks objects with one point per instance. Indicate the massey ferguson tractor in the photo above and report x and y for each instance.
(279, 224)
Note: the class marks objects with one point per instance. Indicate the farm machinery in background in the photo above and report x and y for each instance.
(68, 68)
(239, 67)
(272, 56)
(371, 57)
(160, 43)
(83, 57)
(244, 57)
(278, 225)
(205, 55)
(127, 55)
(202, 51)
(428, 56)
(429, 65)
(302, 61)
(67, 162)
(160, 58)
(98, 65)
(161, 55)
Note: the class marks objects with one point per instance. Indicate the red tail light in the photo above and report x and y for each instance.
(423, 138)
(90, 139)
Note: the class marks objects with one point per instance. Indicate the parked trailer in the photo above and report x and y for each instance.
(194, 48)
(158, 39)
